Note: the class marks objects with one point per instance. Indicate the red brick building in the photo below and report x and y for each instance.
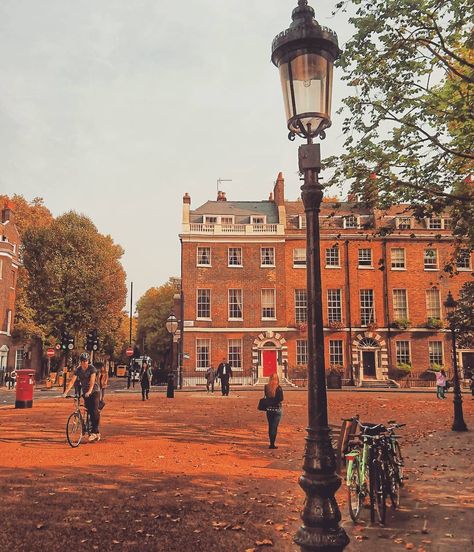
(9, 245)
(244, 288)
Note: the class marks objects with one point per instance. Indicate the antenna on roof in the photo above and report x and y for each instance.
(219, 180)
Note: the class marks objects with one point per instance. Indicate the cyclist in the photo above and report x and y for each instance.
(87, 374)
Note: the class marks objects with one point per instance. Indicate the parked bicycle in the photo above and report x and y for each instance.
(374, 469)
(78, 423)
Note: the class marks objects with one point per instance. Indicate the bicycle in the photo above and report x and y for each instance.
(78, 423)
(366, 472)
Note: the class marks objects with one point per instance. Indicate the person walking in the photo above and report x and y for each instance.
(87, 374)
(274, 395)
(103, 377)
(440, 384)
(224, 372)
(210, 378)
(145, 379)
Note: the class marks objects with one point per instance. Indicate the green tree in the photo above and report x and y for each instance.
(153, 309)
(463, 316)
(76, 281)
(410, 118)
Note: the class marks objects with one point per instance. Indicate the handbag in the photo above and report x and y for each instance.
(263, 404)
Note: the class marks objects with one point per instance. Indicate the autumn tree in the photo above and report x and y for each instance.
(76, 281)
(27, 214)
(410, 117)
(463, 316)
(153, 309)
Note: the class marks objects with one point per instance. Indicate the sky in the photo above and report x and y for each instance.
(116, 108)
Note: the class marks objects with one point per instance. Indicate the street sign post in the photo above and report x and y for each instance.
(129, 351)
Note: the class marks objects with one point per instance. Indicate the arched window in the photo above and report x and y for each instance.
(367, 342)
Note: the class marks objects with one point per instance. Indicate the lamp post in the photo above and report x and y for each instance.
(172, 326)
(458, 422)
(305, 54)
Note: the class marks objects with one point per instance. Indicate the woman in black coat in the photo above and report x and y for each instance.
(274, 396)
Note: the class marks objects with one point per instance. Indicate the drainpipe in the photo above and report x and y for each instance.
(348, 314)
(386, 307)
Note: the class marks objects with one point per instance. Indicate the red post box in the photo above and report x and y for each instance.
(25, 383)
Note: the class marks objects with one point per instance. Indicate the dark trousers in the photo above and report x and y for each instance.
(210, 384)
(440, 391)
(145, 390)
(273, 418)
(92, 405)
(225, 385)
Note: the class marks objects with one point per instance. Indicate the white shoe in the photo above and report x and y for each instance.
(92, 437)
(97, 437)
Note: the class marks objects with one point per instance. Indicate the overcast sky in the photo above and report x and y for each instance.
(116, 108)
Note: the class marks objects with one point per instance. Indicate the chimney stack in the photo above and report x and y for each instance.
(221, 196)
(7, 211)
(279, 190)
(186, 208)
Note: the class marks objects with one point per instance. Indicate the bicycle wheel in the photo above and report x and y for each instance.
(355, 497)
(74, 429)
(393, 482)
(399, 461)
(378, 491)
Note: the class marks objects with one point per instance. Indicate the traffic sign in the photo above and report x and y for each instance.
(129, 351)
(50, 352)
(58, 346)
(70, 346)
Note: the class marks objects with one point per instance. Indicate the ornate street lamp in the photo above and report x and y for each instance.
(305, 54)
(172, 327)
(458, 423)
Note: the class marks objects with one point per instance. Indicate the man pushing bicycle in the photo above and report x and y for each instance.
(87, 375)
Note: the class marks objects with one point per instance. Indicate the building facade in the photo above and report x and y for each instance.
(383, 280)
(9, 263)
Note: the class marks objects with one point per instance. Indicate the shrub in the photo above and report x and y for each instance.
(434, 323)
(401, 324)
(405, 368)
(436, 367)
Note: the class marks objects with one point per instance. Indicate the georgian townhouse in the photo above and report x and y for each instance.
(384, 285)
(9, 262)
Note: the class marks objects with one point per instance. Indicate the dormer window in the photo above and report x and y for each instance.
(350, 221)
(434, 223)
(210, 220)
(257, 219)
(403, 223)
(227, 220)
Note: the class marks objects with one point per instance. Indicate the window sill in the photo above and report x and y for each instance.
(299, 266)
(268, 319)
(235, 266)
(398, 269)
(464, 269)
(430, 269)
(332, 266)
(365, 267)
(204, 319)
(235, 320)
(204, 265)
(267, 266)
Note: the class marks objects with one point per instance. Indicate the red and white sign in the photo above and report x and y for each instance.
(129, 351)
(50, 352)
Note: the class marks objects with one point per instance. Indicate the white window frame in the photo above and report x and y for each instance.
(433, 356)
(229, 257)
(350, 221)
(365, 261)
(334, 305)
(301, 305)
(265, 304)
(234, 354)
(301, 222)
(19, 359)
(466, 256)
(430, 266)
(403, 352)
(434, 223)
(299, 257)
(400, 262)
(433, 303)
(226, 219)
(333, 257)
(203, 366)
(211, 219)
(301, 355)
(258, 219)
(263, 257)
(403, 223)
(367, 312)
(201, 304)
(336, 352)
(235, 300)
(198, 256)
(400, 304)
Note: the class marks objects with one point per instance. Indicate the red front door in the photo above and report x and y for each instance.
(269, 363)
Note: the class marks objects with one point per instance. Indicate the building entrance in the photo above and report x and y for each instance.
(368, 362)
(269, 363)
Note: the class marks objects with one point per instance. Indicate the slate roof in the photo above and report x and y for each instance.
(241, 210)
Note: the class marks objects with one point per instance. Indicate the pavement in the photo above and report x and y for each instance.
(194, 474)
